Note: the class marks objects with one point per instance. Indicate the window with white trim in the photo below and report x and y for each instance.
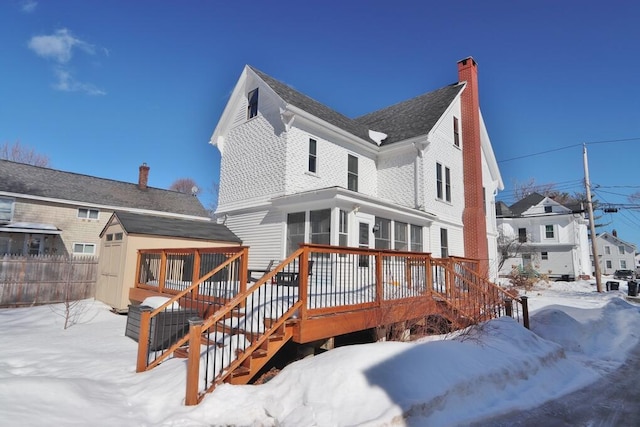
(313, 159)
(456, 132)
(352, 173)
(608, 264)
(295, 231)
(544, 255)
(84, 248)
(252, 106)
(400, 236)
(320, 227)
(86, 213)
(607, 250)
(416, 238)
(343, 229)
(382, 231)
(623, 264)
(6, 209)
(549, 232)
(443, 182)
(444, 243)
(621, 250)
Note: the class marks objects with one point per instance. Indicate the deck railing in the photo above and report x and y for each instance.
(200, 282)
(230, 324)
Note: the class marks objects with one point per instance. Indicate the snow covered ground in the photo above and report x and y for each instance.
(85, 375)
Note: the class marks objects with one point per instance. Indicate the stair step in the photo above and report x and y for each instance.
(259, 352)
(181, 352)
(241, 371)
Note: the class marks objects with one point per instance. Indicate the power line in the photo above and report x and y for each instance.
(608, 141)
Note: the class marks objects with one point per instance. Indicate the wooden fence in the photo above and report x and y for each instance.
(33, 280)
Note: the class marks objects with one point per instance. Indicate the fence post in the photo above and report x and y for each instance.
(143, 339)
(508, 309)
(163, 270)
(195, 274)
(525, 311)
(193, 362)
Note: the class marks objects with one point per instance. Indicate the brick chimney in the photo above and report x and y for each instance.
(614, 233)
(473, 216)
(143, 176)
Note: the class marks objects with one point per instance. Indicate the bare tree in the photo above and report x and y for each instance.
(185, 185)
(523, 189)
(17, 152)
(509, 246)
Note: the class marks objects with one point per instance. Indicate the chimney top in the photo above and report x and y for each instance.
(143, 176)
(464, 62)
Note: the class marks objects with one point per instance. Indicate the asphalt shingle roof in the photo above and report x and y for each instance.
(401, 121)
(522, 205)
(31, 180)
(175, 227)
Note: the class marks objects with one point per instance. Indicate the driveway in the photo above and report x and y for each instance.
(612, 401)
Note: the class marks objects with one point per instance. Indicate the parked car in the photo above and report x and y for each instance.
(623, 275)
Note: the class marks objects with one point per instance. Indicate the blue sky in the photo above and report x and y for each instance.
(102, 86)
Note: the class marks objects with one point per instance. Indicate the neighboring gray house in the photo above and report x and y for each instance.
(48, 211)
(540, 232)
(614, 253)
(419, 175)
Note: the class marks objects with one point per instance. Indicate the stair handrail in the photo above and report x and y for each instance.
(484, 286)
(193, 396)
(143, 363)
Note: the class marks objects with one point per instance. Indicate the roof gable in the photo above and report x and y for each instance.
(414, 117)
(521, 206)
(78, 189)
(404, 120)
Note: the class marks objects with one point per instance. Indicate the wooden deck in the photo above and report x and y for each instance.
(317, 293)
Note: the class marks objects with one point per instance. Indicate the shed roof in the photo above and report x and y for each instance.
(173, 227)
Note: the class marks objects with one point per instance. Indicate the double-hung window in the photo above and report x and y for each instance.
(456, 132)
(352, 173)
(444, 243)
(313, 159)
(343, 229)
(443, 182)
(548, 232)
(6, 209)
(320, 227)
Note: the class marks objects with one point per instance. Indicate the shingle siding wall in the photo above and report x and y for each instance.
(396, 177)
(253, 165)
(65, 217)
(331, 165)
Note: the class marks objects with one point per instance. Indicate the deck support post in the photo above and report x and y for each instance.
(143, 339)
(163, 271)
(193, 362)
(508, 309)
(379, 278)
(196, 274)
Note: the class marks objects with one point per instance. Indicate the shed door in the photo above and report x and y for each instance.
(111, 275)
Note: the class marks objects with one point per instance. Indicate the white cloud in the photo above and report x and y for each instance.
(29, 6)
(58, 46)
(67, 83)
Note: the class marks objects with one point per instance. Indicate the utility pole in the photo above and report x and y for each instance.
(592, 227)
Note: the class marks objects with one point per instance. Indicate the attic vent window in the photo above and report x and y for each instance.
(252, 108)
(547, 209)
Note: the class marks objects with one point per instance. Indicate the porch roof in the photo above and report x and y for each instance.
(351, 200)
(30, 227)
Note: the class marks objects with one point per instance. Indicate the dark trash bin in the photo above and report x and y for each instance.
(633, 288)
(613, 286)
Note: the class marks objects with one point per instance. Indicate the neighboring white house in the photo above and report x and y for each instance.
(614, 253)
(419, 175)
(541, 232)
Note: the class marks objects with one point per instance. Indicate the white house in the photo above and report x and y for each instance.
(419, 175)
(540, 232)
(614, 253)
